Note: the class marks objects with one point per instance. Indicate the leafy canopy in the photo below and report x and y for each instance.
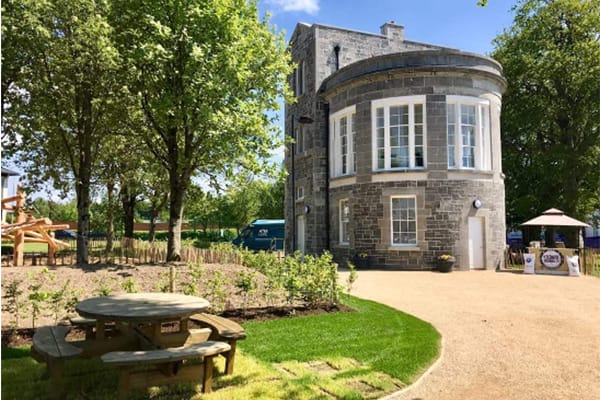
(551, 109)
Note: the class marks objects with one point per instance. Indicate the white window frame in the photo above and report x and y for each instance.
(344, 222)
(483, 138)
(300, 193)
(409, 101)
(416, 219)
(337, 155)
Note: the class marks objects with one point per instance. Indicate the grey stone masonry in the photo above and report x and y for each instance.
(342, 68)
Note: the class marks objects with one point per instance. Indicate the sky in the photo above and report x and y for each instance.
(453, 23)
(458, 24)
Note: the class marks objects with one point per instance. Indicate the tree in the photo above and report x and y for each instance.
(551, 108)
(156, 190)
(201, 208)
(57, 212)
(206, 72)
(271, 196)
(241, 205)
(18, 41)
(69, 88)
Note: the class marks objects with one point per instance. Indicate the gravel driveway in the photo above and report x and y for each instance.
(506, 336)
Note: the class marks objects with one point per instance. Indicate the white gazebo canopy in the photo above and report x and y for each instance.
(554, 217)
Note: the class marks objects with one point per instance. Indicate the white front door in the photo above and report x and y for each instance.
(300, 243)
(476, 256)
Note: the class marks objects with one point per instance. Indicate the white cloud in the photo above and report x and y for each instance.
(307, 6)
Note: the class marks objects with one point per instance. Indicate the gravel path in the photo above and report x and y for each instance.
(506, 336)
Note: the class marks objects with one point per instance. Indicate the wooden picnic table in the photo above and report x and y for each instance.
(140, 316)
(139, 338)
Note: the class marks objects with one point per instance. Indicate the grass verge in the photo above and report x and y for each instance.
(381, 337)
(359, 355)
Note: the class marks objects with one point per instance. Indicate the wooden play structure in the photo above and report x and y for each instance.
(29, 229)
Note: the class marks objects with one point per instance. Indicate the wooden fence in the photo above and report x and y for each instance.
(132, 251)
(589, 260)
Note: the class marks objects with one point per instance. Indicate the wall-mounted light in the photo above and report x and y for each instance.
(477, 203)
(306, 209)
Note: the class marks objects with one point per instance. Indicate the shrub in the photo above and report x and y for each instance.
(14, 304)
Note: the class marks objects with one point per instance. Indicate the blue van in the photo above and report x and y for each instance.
(262, 234)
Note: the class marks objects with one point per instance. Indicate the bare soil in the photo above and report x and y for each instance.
(87, 281)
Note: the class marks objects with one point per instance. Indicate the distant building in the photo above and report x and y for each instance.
(397, 151)
(6, 173)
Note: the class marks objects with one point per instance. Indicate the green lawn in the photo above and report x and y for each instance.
(359, 355)
(31, 247)
(383, 338)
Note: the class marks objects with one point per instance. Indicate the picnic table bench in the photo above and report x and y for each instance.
(225, 330)
(173, 357)
(51, 347)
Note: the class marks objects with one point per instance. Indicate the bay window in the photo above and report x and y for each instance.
(468, 133)
(342, 142)
(399, 133)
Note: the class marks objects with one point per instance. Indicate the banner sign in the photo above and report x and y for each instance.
(551, 258)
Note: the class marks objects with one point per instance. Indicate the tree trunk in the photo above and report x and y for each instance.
(110, 216)
(178, 184)
(128, 200)
(152, 229)
(158, 200)
(82, 188)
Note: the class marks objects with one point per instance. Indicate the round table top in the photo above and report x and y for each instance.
(141, 307)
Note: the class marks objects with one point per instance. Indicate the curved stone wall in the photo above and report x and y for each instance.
(444, 197)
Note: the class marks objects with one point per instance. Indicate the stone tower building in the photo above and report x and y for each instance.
(396, 152)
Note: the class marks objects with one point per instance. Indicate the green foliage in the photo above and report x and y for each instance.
(197, 236)
(247, 285)
(67, 95)
(129, 286)
(352, 277)
(359, 375)
(194, 277)
(62, 301)
(272, 268)
(37, 296)
(56, 211)
(164, 284)
(215, 291)
(14, 303)
(346, 335)
(105, 286)
(305, 279)
(551, 108)
(206, 73)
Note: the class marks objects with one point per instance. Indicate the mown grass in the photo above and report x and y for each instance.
(387, 340)
(364, 354)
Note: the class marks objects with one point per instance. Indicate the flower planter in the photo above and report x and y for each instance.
(361, 262)
(445, 265)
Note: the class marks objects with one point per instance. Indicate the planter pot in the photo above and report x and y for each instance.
(361, 262)
(445, 266)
